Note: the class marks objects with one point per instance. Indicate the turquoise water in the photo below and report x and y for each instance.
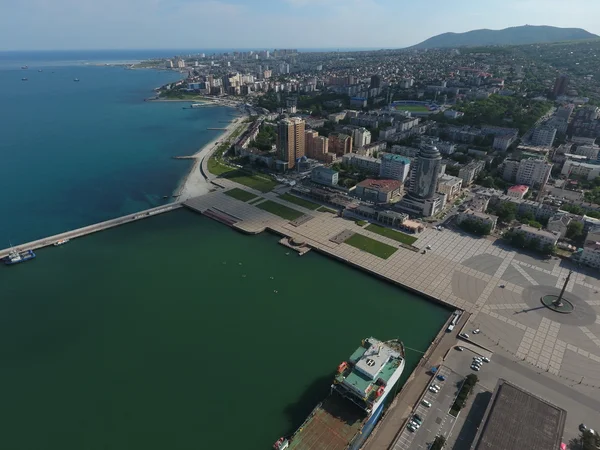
(73, 154)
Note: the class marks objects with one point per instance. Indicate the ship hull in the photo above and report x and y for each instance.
(25, 256)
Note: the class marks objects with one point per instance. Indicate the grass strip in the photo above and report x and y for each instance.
(280, 210)
(392, 234)
(240, 194)
(366, 244)
(299, 201)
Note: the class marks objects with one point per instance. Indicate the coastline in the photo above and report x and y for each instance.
(194, 183)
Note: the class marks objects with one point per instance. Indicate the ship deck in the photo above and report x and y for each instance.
(332, 426)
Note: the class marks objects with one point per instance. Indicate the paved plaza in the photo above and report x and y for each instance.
(465, 272)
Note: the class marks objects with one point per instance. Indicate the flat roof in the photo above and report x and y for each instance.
(516, 419)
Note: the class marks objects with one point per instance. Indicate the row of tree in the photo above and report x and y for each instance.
(519, 240)
(476, 227)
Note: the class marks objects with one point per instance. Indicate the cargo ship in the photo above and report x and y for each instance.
(15, 257)
(361, 386)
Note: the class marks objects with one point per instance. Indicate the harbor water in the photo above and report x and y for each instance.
(177, 332)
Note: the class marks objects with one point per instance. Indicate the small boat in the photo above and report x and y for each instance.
(76, 79)
(61, 242)
(40, 70)
(24, 79)
(24, 67)
(15, 257)
(196, 105)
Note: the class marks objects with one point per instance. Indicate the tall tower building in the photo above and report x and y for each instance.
(561, 85)
(291, 140)
(425, 172)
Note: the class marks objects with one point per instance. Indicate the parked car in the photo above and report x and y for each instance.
(418, 419)
(464, 335)
(411, 428)
(475, 367)
(441, 377)
(476, 331)
(425, 403)
(459, 348)
(486, 359)
(433, 389)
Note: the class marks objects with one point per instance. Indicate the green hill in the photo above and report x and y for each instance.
(528, 34)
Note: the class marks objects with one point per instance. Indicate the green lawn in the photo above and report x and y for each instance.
(413, 108)
(361, 223)
(324, 209)
(366, 244)
(299, 201)
(217, 168)
(259, 182)
(280, 210)
(392, 234)
(241, 194)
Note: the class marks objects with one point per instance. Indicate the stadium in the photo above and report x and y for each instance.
(415, 107)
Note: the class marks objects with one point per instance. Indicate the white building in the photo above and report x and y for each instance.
(589, 151)
(469, 172)
(586, 170)
(394, 167)
(545, 237)
(362, 137)
(366, 163)
(543, 136)
(527, 171)
(323, 175)
(450, 186)
(518, 191)
(591, 249)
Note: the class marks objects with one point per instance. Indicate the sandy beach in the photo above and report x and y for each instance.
(195, 184)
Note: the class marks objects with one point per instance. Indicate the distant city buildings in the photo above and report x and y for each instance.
(290, 141)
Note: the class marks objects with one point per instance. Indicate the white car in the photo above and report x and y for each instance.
(433, 389)
(475, 368)
(476, 331)
(428, 247)
(485, 359)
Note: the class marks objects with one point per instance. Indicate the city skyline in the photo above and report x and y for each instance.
(134, 24)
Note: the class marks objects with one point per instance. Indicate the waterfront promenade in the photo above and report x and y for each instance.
(494, 283)
(45, 242)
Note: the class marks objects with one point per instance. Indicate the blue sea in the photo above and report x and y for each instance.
(76, 153)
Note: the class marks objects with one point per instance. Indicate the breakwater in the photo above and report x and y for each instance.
(45, 242)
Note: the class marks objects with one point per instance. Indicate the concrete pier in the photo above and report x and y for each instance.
(45, 242)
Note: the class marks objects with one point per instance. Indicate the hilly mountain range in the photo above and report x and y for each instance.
(527, 34)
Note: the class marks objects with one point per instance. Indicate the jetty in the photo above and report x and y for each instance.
(48, 241)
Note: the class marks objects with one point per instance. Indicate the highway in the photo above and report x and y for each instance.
(94, 228)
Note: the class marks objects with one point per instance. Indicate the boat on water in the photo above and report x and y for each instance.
(61, 242)
(361, 388)
(76, 79)
(24, 79)
(16, 257)
(196, 105)
(24, 67)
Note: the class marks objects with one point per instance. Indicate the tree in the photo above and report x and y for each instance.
(527, 216)
(519, 240)
(574, 229)
(548, 249)
(507, 212)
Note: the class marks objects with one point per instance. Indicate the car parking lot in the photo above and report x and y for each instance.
(436, 419)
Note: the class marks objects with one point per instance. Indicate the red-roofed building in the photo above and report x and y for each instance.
(379, 191)
(518, 191)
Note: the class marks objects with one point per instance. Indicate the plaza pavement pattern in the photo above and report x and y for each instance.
(465, 272)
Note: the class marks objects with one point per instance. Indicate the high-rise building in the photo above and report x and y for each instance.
(316, 146)
(543, 136)
(375, 81)
(425, 172)
(561, 85)
(340, 144)
(533, 172)
(290, 141)
(362, 137)
(394, 167)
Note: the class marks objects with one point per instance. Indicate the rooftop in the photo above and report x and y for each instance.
(516, 419)
(533, 230)
(380, 185)
(519, 188)
(393, 157)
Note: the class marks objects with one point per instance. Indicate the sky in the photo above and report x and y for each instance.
(212, 24)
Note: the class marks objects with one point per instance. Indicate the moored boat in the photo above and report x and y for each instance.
(16, 257)
(61, 242)
(360, 390)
